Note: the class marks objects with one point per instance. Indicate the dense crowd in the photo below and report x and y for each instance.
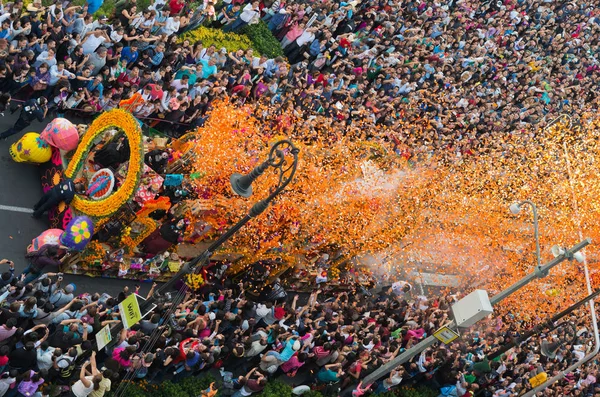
(423, 75)
(453, 75)
(330, 343)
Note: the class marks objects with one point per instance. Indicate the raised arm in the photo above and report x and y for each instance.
(82, 378)
(93, 363)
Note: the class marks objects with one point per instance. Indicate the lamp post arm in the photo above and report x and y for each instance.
(431, 340)
(286, 176)
(540, 272)
(284, 179)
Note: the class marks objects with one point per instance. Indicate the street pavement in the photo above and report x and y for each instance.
(20, 187)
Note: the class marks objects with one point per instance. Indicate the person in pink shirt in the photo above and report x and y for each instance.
(291, 366)
(295, 31)
(122, 355)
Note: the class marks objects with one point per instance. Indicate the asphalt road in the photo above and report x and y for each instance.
(20, 187)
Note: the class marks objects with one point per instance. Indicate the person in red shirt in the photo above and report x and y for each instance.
(4, 350)
(130, 79)
(176, 6)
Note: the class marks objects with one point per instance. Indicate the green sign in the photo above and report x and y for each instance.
(130, 311)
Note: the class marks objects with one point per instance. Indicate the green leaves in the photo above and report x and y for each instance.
(263, 40)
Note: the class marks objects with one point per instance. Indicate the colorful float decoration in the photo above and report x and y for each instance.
(105, 207)
(61, 133)
(31, 148)
(101, 184)
(78, 233)
(140, 214)
(50, 236)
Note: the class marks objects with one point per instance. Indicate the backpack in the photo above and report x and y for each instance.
(448, 391)
(141, 372)
(68, 370)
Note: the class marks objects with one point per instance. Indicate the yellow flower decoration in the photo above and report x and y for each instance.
(125, 122)
(194, 281)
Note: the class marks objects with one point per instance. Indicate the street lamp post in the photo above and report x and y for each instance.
(515, 209)
(240, 185)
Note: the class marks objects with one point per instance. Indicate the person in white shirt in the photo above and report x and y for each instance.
(116, 35)
(55, 12)
(93, 40)
(258, 344)
(5, 381)
(44, 356)
(181, 83)
(250, 12)
(295, 50)
(171, 26)
(260, 62)
(84, 25)
(394, 380)
(86, 384)
(100, 23)
(48, 57)
(400, 288)
(58, 72)
(158, 4)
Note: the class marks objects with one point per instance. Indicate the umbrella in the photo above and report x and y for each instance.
(50, 236)
(61, 133)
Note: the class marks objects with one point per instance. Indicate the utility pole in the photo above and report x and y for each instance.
(539, 272)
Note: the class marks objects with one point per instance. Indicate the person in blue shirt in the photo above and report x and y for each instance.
(5, 32)
(154, 56)
(94, 5)
(330, 373)
(130, 54)
(194, 73)
(94, 85)
(318, 46)
(208, 67)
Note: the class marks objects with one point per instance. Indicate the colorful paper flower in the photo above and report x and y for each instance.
(80, 231)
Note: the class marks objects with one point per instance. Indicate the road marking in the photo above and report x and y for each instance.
(16, 209)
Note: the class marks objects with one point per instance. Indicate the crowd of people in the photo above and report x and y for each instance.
(441, 75)
(453, 74)
(328, 343)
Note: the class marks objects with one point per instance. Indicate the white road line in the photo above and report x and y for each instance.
(15, 209)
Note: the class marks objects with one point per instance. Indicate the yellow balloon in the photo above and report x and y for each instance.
(30, 149)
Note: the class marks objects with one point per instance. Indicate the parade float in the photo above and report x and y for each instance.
(356, 213)
(147, 223)
(103, 227)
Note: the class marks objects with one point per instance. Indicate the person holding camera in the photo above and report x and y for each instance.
(7, 277)
(47, 255)
(61, 296)
(30, 110)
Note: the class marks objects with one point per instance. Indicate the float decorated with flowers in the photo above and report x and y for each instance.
(102, 228)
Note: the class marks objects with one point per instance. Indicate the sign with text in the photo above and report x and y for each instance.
(130, 311)
(103, 337)
(446, 335)
(436, 279)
